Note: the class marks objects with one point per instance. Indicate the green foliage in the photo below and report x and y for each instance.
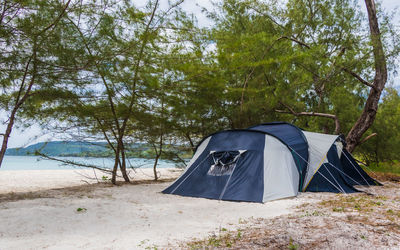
(116, 90)
(81, 209)
(385, 146)
(272, 57)
(225, 239)
(338, 209)
(292, 245)
(31, 51)
(111, 71)
(392, 166)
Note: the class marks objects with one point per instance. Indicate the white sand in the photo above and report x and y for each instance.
(122, 217)
(34, 180)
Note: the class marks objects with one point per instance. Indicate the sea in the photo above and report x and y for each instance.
(38, 163)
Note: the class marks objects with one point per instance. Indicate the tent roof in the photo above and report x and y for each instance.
(241, 130)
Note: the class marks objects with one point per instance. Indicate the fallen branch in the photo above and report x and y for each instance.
(68, 162)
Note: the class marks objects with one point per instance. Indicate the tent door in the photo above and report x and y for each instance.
(224, 162)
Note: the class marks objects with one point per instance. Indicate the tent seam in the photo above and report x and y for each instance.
(320, 164)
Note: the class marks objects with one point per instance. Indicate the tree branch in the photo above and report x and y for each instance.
(352, 73)
(359, 78)
(68, 162)
(57, 19)
(367, 138)
(326, 115)
(296, 41)
(244, 88)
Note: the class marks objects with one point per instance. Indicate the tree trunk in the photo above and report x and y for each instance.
(158, 155)
(367, 117)
(115, 168)
(19, 101)
(155, 167)
(192, 146)
(6, 136)
(123, 164)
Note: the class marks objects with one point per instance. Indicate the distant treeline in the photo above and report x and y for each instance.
(83, 149)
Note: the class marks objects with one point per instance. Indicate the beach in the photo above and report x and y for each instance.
(36, 180)
(69, 209)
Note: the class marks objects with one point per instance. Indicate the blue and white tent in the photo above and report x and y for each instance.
(267, 162)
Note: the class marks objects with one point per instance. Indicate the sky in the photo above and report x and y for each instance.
(33, 134)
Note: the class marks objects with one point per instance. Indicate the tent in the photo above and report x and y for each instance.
(267, 162)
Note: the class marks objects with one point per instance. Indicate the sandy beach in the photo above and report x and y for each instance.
(36, 180)
(61, 209)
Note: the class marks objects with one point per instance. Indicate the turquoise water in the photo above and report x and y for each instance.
(38, 163)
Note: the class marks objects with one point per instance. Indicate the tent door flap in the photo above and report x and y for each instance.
(224, 162)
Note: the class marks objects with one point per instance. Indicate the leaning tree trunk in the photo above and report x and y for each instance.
(123, 164)
(23, 93)
(367, 117)
(115, 168)
(19, 101)
(155, 167)
(6, 136)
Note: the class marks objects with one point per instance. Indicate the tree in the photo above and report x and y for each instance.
(276, 59)
(120, 52)
(26, 58)
(181, 107)
(307, 59)
(196, 95)
(109, 71)
(384, 142)
(370, 109)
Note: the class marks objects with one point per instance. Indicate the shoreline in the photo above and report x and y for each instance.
(39, 163)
